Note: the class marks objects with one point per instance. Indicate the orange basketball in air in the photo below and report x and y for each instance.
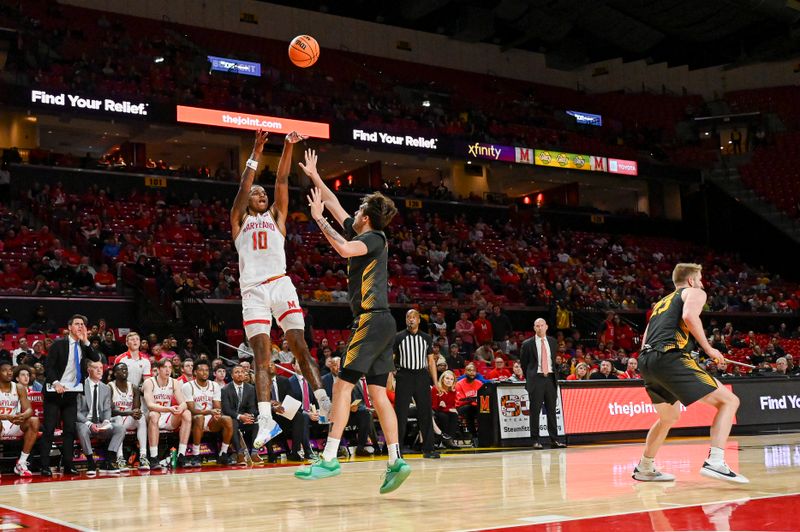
(304, 51)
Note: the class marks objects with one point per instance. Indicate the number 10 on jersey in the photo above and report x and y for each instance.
(259, 240)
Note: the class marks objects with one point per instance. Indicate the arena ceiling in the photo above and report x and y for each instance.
(572, 33)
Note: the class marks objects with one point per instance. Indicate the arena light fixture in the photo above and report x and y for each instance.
(159, 59)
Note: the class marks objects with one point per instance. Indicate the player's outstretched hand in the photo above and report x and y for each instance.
(261, 139)
(294, 137)
(310, 167)
(315, 203)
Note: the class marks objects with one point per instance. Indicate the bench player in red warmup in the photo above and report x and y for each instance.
(259, 233)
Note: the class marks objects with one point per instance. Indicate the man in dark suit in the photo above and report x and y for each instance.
(297, 427)
(239, 402)
(300, 389)
(95, 421)
(360, 415)
(65, 366)
(538, 361)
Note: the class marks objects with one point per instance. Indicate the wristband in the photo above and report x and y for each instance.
(252, 164)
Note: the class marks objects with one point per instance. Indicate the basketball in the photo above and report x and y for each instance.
(304, 51)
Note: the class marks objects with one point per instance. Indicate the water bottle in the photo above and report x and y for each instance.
(173, 458)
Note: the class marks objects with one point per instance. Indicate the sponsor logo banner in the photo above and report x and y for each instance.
(66, 100)
(492, 152)
(560, 159)
(622, 166)
(235, 66)
(236, 120)
(514, 413)
(768, 402)
(618, 409)
(586, 118)
(393, 140)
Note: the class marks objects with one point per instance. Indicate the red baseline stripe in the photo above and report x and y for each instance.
(290, 311)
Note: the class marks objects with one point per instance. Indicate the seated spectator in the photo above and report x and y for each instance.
(606, 372)
(17, 419)
(110, 347)
(95, 421)
(484, 354)
(222, 291)
(8, 325)
(285, 355)
(781, 368)
(19, 354)
(632, 370)
(443, 401)
(500, 371)
(41, 324)
(104, 280)
(517, 375)
(309, 409)
(23, 375)
(581, 372)
(467, 398)
(187, 371)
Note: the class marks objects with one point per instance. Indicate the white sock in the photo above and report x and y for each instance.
(119, 452)
(265, 410)
(716, 456)
(331, 449)
(394, 452)
(321, 395)
(646, 464)
(154, 452)
(195, 450)
(224, 448)
(182, 448)
(23, 458)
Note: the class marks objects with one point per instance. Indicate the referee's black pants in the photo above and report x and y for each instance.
(417, 384)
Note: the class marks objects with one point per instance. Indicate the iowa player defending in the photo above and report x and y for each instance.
(671, 375)
(259, 233)
(370, 349)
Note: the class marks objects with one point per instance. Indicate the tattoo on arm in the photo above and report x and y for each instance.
(330, 232)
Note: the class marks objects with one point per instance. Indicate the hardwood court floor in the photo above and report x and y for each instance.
(458, 492)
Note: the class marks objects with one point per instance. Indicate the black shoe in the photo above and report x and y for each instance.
(110, 467)
(537, 445)
(272, 458)
(182, 461)
(431, 454)
(448, 442)
(224, 459)
(194, 461)
(91, 467)
(71, 471)
(360, 451)
(294, 457)
(45, 472)
(557, 444)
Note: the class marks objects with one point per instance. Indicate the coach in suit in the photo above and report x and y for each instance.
(64, 368)
(239, 402)
(538, 361)
(94, 419)
(300, 389)
(360, 415)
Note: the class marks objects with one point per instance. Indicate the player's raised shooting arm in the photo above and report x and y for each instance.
(281, 201)
(328, 197)
(248, 176)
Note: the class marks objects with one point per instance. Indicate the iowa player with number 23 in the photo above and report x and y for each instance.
(671, 374)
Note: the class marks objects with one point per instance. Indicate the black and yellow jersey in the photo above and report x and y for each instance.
(367, 275)
(666, 329)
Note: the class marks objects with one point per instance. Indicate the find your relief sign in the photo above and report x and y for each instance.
(75, 102)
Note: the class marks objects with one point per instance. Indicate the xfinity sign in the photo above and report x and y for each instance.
(388, 139)
(73, 101)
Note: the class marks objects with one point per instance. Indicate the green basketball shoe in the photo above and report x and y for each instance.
(395, 475)
(319, 468)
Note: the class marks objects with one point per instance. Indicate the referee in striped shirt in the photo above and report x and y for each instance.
(416, 371)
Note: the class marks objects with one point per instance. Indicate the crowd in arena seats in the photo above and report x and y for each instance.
(513, 261)
(343, 88)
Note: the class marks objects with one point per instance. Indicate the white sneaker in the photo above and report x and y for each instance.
(21, 469)
(722, 472)
(267, 429)
(325, 407)
(651, 476)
